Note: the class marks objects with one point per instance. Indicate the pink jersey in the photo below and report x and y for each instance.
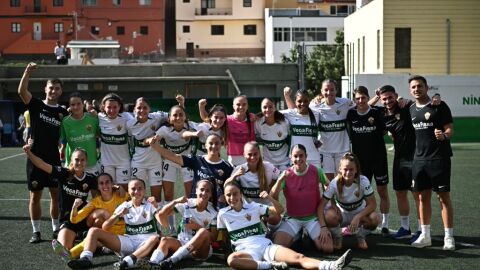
(238, 134)
(302, 191)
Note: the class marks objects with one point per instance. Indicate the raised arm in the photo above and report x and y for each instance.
(181, 100)
(276, 207)
(275, 191)
(287, 95)
(38, 162)
(162, 215)
(202, 103)
(23, 92)
(113, 219)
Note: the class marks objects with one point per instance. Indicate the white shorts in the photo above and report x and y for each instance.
(171, 170)
(264, 252)
(95, 169)
(120, 175)
(130, 243)
(293, 227)
(236, 160)
(347, 216)
(330, 161)
(154, 176)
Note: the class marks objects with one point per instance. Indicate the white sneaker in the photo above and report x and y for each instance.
(278, 265)
(343, 261)
(448, 243)
(422, 242)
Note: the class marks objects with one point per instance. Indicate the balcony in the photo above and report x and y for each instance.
(213, 11)
(35, 10)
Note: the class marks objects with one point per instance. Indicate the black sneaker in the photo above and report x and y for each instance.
(385, 232)
(36, 238)
(55, 234)
(166, 265)
(121, 265)
(80, 263)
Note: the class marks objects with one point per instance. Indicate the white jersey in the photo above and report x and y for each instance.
(303, 132)
(353, 197)
(249, 181)
(333, 125)
(139, 220)
(206, 129)
(274, 139)
(144, 156)
(173, 141)
(114, 137)
(244, 228)
(206, 219)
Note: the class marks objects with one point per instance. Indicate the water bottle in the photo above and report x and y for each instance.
(187, 217)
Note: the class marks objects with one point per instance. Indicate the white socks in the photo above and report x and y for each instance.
(405, 222)
(35, 225)
(263, 265)
(448, 232)
(385, 218)
(426, 230)
(157, 256)
(181, 253)
(55, 224)
(325, 265)
(86, 254)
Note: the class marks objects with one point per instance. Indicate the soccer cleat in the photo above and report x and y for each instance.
(415, 236)
(385, 232)
(81, 263)
(402, 234)
(278, 265)
(55, 234)
(121, 265)
(343, 261)
(61, 251)
(422, 242)
(145, 264)
(448, 243)
(36, 238)
(165, 265)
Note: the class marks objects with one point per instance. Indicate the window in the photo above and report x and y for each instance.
(94, 30)
(186, 29)
(217, 30)
(333, 10)
(250, 29)
(16, 27)
(277, 34)
(58, 3)
(208, 3)
(186, 1)
(120, 30)
(247, 3)
(402, 47)
(116, 2)
(14, 3)
(144, 30)
(300, 34)
(144, 2)
(58, 27)
(89, 2)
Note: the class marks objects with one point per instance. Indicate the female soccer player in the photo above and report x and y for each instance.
(196, 232)
(252, 249)
(74, 183)
(301, 187)
(272, 131)
(355, 205)
(140, 225)
(215, 123)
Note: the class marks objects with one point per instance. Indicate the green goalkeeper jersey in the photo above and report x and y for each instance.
(81, 133)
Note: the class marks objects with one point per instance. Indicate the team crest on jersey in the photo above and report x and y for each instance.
(144, 214)
(338, 112)
(248, 217)
(371, 120)
(89, 127)
(85, 186)
(220, 172)
(279, 134)
(205, 223)
(34, 184)
(427, 115)
(119, 127)
(397, 116)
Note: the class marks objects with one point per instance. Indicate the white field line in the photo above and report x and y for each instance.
(9, 157)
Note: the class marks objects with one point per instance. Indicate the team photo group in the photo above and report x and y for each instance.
(112, 175)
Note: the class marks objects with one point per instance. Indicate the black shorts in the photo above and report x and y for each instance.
(431, 174)
(402, 174)
(38, 179)
(78, 228)
(376, 166)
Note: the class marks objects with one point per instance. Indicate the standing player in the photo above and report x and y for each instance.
(46, 116)
(115, 156)
(146, 163)
(367, 127)
(431, 164)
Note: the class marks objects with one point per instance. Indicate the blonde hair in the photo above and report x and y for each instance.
(261, 174)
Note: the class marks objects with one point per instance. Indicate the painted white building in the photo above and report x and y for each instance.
(286, 27)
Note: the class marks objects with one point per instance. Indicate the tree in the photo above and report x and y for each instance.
(324, 62)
